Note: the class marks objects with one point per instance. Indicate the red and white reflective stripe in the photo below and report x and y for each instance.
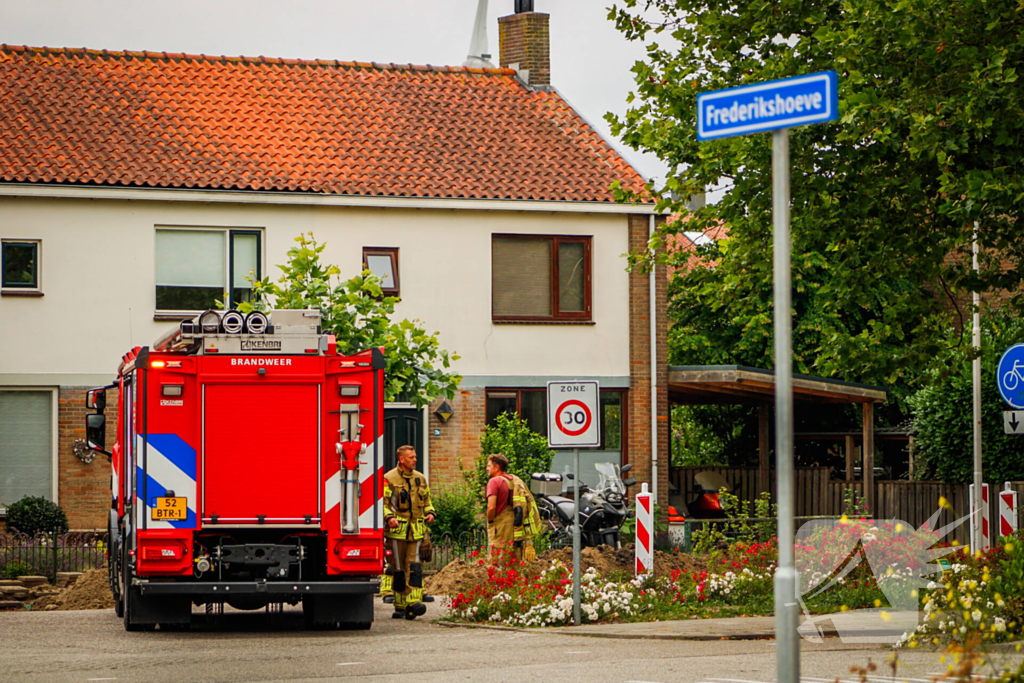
(644, 535)
(986, 530)
(1007, 511)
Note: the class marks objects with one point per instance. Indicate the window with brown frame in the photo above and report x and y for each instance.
(540, 278)
(530, 405)
(383, 262)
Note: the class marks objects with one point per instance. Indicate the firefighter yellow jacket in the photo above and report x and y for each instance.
(407, 499)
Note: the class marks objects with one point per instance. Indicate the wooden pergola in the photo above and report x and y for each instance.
(736, 384)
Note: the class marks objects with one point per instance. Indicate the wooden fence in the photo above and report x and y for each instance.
(817, 494)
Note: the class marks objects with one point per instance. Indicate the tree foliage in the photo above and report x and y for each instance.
(944, 448)
(930, 141)
(358, 314)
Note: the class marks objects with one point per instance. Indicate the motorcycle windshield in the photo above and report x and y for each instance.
(609, 478)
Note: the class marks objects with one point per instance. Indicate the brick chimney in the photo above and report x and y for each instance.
(523, 44)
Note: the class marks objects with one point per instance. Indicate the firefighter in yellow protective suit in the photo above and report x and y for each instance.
(407, 511)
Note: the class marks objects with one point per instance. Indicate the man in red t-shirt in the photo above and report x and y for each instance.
(500, 519)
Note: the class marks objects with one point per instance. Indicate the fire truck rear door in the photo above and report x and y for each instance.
(261, 454)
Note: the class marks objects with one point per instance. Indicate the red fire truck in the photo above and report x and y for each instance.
(247, 470)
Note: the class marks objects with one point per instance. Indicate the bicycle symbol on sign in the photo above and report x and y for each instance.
(1011, 378)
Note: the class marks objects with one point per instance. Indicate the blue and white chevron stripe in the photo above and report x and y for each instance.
(170, 466)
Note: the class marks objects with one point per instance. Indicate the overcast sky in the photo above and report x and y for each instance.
(590, 60)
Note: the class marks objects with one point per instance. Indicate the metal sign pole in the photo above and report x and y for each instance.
(576, 538)
(787, 646)
(977, 542)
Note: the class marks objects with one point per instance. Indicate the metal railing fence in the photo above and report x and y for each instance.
(47, 554)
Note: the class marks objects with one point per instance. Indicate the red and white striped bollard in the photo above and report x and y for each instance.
(644, 533)
(1007, 511)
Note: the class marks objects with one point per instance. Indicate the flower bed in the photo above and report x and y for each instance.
(983, 594)
(980, 598)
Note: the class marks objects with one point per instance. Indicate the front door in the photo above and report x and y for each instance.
(402, 426)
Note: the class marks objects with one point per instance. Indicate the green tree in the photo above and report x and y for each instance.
(944, 446)
(930, 141)
(357, 313)
(527, 451)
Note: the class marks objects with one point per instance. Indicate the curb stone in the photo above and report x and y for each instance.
(759, 634)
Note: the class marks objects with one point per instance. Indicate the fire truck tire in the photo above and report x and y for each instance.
(113, 559)
(130, 609)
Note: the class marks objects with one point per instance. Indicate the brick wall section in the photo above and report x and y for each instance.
(524, 39)
(639, 414)
(456, 450)
(83, 489)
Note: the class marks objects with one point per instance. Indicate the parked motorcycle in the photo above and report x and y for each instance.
(603, 509)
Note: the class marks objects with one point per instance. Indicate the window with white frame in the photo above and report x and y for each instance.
(197, 267)
(26, 445)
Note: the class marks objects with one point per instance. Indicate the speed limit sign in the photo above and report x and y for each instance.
(573, 414)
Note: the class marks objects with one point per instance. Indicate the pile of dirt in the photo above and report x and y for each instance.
(460, 577)
(606, 560)
(456, 577)
(91, 591)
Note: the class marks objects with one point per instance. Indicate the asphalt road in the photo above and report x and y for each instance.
(76, 647)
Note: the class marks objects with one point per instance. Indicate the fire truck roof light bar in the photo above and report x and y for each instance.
(233, 322)
(287, 332)
(256, 323)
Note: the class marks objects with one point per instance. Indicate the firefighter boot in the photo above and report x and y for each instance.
(415, 607)
(400, 603)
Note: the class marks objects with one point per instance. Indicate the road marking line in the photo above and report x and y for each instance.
(101, 679)
(577, 652)
(349, 663)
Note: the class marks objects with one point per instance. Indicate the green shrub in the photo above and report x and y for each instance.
(455, 512)
(527, 451)
(16, 568)
(942, 410)
(33, 514)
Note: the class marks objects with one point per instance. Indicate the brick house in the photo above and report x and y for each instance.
(138, 187)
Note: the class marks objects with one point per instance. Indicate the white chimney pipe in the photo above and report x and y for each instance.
(479, 54)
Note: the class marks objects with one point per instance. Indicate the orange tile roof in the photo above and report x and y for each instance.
(150, 119)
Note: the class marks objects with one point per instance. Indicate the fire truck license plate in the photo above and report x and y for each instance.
(170, 508)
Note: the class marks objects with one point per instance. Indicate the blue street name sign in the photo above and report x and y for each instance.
(1010, 376)
(768, 106)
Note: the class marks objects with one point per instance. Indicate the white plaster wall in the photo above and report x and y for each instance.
(98, 261)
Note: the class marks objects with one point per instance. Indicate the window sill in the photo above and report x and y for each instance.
(21, 292)
(528, 321)
(174, 317)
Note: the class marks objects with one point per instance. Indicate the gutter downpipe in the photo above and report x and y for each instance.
(654, 369)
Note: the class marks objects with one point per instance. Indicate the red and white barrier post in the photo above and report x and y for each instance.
(1007, 511)
(644, 533)
(985, 542)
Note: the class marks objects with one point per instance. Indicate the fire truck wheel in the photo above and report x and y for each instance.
(131, 623)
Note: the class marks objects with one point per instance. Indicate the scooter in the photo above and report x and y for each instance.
(603, 509)
(706, 505)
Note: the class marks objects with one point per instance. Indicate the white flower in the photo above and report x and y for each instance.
(976, 615)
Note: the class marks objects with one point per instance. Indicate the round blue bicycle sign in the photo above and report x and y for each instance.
(1010, 376)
